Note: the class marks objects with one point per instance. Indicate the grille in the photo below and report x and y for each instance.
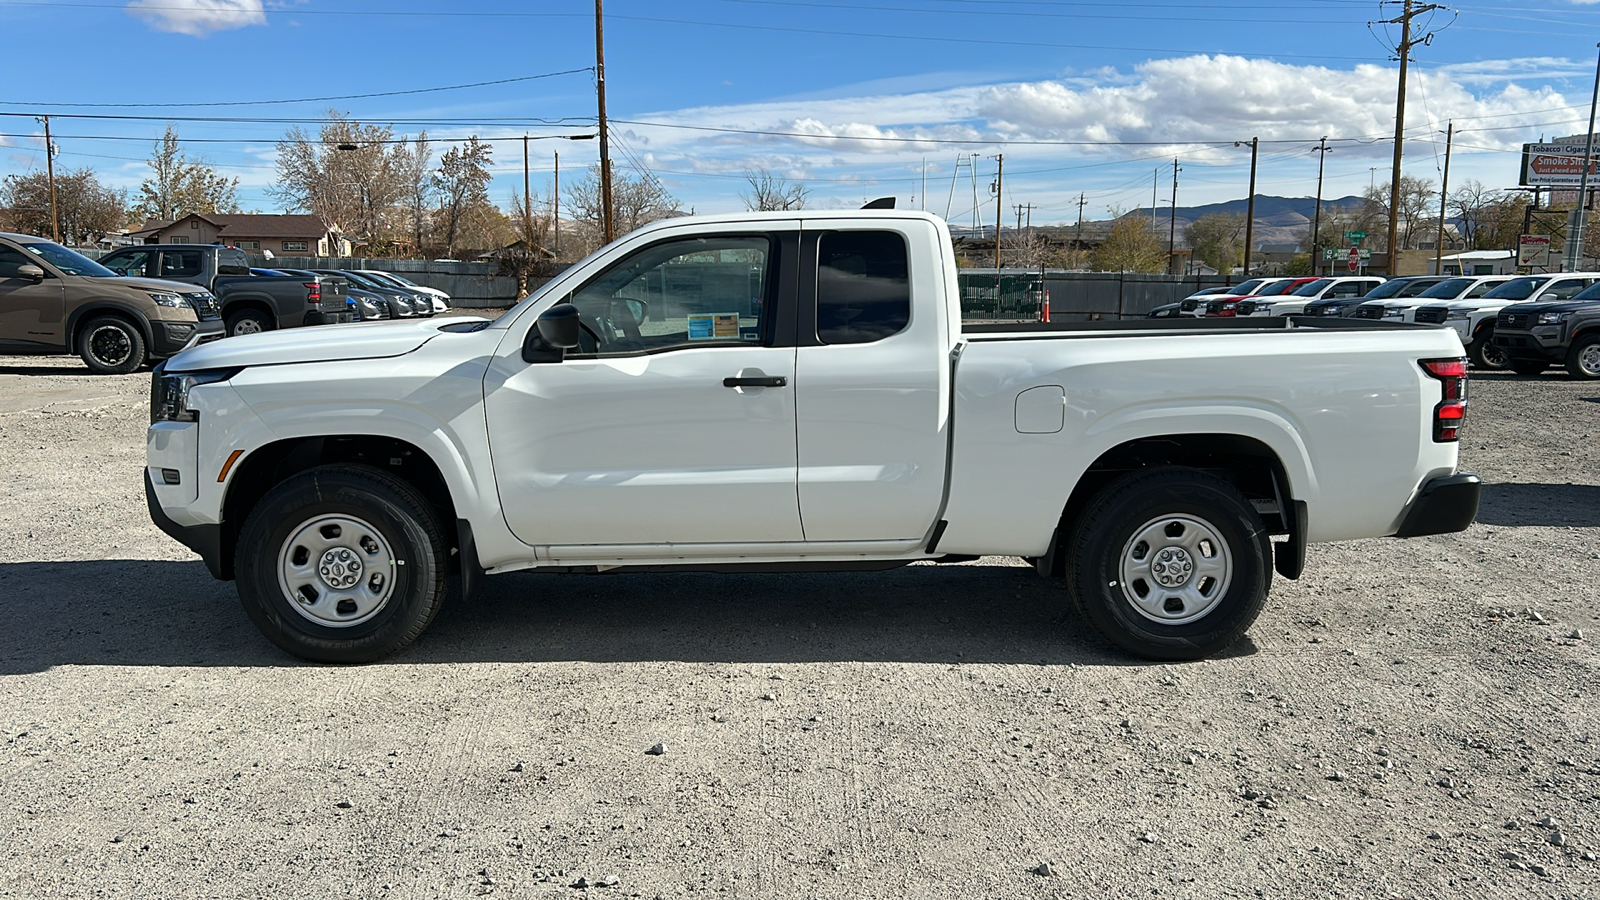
(1245, 307)
(1214, 307)
(1189, 305)
(1431, 315)
(1512, 320)
(204, 305)
(1368, 312)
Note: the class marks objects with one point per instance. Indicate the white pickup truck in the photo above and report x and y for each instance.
(795, 391)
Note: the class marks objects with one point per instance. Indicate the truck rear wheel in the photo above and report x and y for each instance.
(111, 345)
(341, 564)
(1170, 564)
(1583, 360)
(248, 321)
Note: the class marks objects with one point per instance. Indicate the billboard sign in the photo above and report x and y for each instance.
(1556, 165)
(1533, 250)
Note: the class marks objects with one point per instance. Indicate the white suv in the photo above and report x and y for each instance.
(1473, 319)
(1465, 287)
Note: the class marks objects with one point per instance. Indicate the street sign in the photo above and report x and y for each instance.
(1355, 235)
(1365, 254)
(1355, 258)
(1533, 250)
(1332, 254)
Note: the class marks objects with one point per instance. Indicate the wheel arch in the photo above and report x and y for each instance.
(118, 308)
(1251, 465)
(271, 464)
(258, 302)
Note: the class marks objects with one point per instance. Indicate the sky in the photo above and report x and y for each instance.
(907, 98)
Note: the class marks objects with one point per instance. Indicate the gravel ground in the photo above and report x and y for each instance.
(1411, 719)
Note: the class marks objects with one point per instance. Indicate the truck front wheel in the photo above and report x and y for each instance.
(1170, 564)
(111, 345)
(341, 564)
(1484, 354)
(1583, 360)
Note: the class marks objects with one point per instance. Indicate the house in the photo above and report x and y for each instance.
(285, 235)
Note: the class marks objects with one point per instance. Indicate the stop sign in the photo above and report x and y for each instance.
(1355, 258)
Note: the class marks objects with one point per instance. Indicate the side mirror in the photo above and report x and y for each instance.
(31, 272)
(553, 335)
(637, 310)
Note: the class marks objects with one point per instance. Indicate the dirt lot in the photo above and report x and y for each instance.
(1411, 719)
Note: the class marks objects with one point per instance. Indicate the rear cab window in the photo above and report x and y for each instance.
(863, 286)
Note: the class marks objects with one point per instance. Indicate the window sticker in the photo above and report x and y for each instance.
(713, 326)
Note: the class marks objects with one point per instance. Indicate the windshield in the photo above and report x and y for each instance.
(401, 279)
(1310, 290)
(1388, 289)
(68, 261)
(1449, 289)
(1272, 290)
(1246, 288)
(1592, 292)
(1517, 288)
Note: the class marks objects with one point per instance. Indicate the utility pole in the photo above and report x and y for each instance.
(1250, 208)
(924, 184)
(1172, 221)
(1316, 221)
(1082, 199)
(610, 226)
(1444, 195)
(556, 197)
(50, 167)
(999, 209)
(1155, 185)
(527, 200)
(1404, 52)
(1575, 243)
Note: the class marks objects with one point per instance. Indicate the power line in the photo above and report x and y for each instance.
(430, 90)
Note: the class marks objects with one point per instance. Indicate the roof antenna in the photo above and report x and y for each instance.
(881, 203)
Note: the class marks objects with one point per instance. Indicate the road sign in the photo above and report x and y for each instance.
(1355, 235)
(1533, 250)
(1365, 254)
(1332, 254)
(1554, 165)
(1355, 258)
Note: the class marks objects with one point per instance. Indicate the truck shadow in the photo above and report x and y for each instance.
(171, 613)
(1559, 505)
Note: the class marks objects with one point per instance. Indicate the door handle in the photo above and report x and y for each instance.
(756, 381)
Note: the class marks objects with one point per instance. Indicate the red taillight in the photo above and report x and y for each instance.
(313, 293)
(1452, 407)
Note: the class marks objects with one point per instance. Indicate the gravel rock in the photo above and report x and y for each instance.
(1149, 837)
(657, 750)
(1557, 838)
(1044, 869)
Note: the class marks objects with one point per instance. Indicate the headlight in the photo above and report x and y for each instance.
(167, 298)
(169, 394)
(1394, 312)
(1553, 318)
(1456, 315)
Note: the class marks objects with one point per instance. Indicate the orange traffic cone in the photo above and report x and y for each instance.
(1044, 309)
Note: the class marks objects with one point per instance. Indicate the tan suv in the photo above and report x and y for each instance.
(54, 300)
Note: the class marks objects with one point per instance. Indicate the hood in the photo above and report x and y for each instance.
(317, 343)
(1563, 306)
(156, 284)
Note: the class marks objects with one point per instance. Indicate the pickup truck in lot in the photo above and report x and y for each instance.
(796, 391)
(250, 303)
(1535, 335)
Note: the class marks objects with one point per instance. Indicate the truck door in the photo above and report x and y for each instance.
(674, 421)
(871, 380)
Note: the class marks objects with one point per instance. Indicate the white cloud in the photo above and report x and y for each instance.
(199, 17)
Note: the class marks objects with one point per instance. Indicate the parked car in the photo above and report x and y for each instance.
(369, 306)
(1402, 286)
(1474, 320)
(55, 300)
(1534, 336)
(250, 303)
(1227, 306)
(404, 303)
(1294, 303)
(441, 300)
(599, 426)
(1166, 311)
(1196, 305)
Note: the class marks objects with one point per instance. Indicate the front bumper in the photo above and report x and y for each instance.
(1543, 343)
(205, 540)
(171, 338)
(1443, 506)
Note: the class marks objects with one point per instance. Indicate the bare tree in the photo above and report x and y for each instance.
(88, 210)
(634, 202)
(1417, 206)
(769, 192)
(530, 255)
(412, 162)
(346, 176)
(179, 185)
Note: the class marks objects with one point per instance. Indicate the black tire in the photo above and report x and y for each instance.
(1529, 366)
(1583, 358)
(395, 514)
(249, 321)
(1484, 354)
(110, 345)
(1135, 504)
